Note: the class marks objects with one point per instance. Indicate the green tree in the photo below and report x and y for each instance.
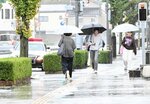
(117, 11)
(2, 1)
(124, 11)
(25, 10)
(132, 10)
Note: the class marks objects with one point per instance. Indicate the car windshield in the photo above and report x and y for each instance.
(36, 47)
(33, 46)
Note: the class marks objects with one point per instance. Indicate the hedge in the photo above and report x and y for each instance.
(105, 56)
(15, 69)
(52, 62)
(80, 59)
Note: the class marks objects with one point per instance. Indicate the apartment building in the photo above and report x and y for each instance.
(7, 19)
(53, 14)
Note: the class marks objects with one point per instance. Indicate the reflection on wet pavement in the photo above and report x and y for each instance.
(108, 90)
(111, 85)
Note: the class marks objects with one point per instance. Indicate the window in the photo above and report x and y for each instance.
(12, 13)
(43, 18)
(2, 11)
(7, 14)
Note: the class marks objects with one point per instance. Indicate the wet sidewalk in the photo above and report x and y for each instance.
(111, 85)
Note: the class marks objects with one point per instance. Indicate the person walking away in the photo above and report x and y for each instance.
(68, 54)
(128, 50)
(95, 42)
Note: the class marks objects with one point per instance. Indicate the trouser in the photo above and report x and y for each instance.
(89, 59)
(94, 59)
(127, 58)
(67, 64)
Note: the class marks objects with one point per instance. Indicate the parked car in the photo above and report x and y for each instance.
(7, 42)
(36, 51)
(6, 50)
(9, 39)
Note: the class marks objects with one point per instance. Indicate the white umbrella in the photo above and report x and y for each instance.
(125, 28)
(68, 29)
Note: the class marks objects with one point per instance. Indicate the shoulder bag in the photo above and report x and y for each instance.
(60, 50)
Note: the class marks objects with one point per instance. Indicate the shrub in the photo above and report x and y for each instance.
(80, 59)
(15, 69)
(105, 56)
(52, 63)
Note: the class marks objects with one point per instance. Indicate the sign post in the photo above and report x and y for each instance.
(142, 16)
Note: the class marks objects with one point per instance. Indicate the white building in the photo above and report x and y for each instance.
(52, 16)
(7, 19)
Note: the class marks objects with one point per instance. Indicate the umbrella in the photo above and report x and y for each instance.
(125, 28)
(68, 29)
(89, 28)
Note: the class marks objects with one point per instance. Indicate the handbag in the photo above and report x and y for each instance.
(60, 50)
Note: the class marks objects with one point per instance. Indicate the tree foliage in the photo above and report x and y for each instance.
(124, 11)
(2, 1)
(25, 10)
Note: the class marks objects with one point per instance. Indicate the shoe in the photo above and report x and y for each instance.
(125, 69)
(70, 79)
(95, 71)
(65, 75)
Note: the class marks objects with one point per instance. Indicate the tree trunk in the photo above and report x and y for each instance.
(23, 46)
(24, 40)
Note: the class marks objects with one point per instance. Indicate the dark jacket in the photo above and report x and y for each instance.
(129, 44)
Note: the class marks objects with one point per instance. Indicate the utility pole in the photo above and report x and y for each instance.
(77, 4)
(111, 41)
(107, 23)
(78, 9)
(107, 26)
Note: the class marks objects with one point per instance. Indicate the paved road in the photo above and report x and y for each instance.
(111, 85)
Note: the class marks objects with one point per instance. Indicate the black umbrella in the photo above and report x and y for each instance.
(89, 28)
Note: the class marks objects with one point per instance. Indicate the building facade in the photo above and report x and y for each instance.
(52, 15)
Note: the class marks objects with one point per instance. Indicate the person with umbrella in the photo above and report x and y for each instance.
(128, 48)
(68, 54)
(95, 43)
